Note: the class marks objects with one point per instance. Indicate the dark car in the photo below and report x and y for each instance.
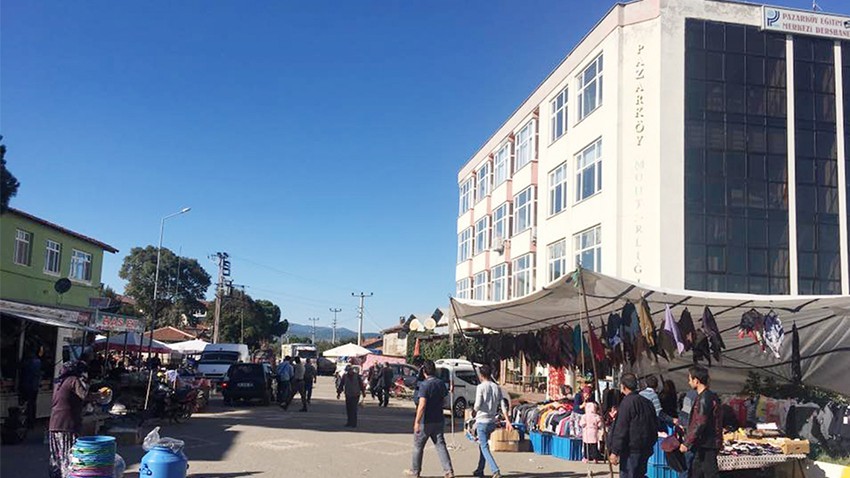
(408, 373)
(247, 381)
(325, 366)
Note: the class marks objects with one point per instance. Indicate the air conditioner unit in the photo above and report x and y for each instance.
(499, 245)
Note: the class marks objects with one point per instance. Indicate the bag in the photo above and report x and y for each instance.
(675, 458)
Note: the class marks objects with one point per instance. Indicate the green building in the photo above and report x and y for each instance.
(35, 254)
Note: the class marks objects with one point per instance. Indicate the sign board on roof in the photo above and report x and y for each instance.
(806, 23)
(118, 323)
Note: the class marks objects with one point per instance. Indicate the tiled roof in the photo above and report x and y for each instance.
(43, 222)
(170, 334)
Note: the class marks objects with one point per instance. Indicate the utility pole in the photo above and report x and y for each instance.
(362, 296)
(313, 330)
(223, 271)
(333, 325)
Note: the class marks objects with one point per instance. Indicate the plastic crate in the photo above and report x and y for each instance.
(658, 457)
(567, 448)
(541, 443)
(659, 471)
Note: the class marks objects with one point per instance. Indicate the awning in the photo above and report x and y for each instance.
(823, 323)
(49, 321)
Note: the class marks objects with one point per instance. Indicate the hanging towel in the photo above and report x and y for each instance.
(647, 326)
(687, 329)
(773, 333)
(672, 327)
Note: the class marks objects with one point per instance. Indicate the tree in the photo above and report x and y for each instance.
(8, 183)
(123, 308)
(183, 284)
(260, 319)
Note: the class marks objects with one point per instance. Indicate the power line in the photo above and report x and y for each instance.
(290, 274)
(362, 297)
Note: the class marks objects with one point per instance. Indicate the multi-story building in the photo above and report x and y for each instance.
(689, 144)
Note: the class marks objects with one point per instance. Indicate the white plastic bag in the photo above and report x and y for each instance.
(153, 439)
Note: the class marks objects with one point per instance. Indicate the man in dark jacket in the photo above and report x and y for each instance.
(387, 376)
(635, 430)
(704, 437)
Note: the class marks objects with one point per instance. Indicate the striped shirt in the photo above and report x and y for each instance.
(650, 395)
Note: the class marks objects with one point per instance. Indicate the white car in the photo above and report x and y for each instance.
(461, 376)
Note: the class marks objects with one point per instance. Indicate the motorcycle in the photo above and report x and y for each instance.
(174, 405)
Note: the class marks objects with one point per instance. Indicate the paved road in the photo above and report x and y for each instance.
(256, 441)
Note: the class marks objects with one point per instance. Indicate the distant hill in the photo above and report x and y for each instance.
(326, 333)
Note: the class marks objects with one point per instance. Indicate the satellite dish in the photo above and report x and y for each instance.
(62, 285)
(416, 325)
(430, 324)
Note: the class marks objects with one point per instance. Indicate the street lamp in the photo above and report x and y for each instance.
(156, 274)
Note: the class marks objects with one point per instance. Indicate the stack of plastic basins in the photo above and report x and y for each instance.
(541, 443)
(567, 448)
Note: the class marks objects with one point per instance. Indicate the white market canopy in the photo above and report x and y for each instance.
(189, 347)
(347, 350)
(823, 323)
(135, 343)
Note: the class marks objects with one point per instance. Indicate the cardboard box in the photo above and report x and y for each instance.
(510, 446)
(795, 447)
(502, 434)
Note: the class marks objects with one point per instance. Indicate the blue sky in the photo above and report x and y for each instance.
(316, 142)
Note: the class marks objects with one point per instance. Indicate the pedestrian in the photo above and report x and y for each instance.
(429, 421)
(70, 390)
(310, 379)
(387, 379)
(30, 381)
(650, 394)
(592, 426)
(298, 373)
(634, 432)
(352, 385)
(669, 398)
(373, 377)
(704, 436)
(488, 404)
(584, 396)
(284, 382)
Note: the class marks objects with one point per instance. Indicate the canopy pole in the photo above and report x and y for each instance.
(596, 391)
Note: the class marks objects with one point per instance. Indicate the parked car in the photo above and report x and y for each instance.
(325, 366)
(408, 373)
(461, 376)
(247, 381)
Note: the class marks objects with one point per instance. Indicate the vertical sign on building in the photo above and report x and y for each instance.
(639, 160)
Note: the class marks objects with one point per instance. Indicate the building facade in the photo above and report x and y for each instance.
(35, 253)
(689, 144)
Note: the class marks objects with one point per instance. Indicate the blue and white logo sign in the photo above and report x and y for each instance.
(800, 22)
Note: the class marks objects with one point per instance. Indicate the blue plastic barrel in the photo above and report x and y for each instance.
(161, 462)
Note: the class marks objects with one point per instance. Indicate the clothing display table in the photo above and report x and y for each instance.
(746, 462)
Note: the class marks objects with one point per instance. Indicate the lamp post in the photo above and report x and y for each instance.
(156, 274)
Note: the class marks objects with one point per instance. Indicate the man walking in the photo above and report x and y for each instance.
(387, 376)
(352, 385)
(704, 437)
(634, 432)
(488, 403)
(429, 422)
(310, 374)
(298, 372)
(284, 382)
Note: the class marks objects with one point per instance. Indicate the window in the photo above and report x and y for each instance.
(523, 210)
(524, 146)
(523, 275)
(588, 248)
(502, 165)
(589, 171)
(479, 291)
(23, 243)
(483, 177)
(464, 245)
(466, 196)
(482, 235)
(500, 282)
(501, 222)
(52, 256)
(464, 288)
(80, 266)
(559, 114)
(557, 259)
(590, 88)
(468, 377)
(558, 189)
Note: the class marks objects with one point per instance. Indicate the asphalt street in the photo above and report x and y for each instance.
(257, 441)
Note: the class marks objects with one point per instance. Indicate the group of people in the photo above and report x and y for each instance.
(294, 377)
(381, 381)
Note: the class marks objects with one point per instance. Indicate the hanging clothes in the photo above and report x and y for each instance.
(774, 334)
(796, 360)
(647, 326)
(672, 328)
(666, 344)
(687, 329)
(752, 325)
(596, 346)
(614, 332)
(709, 325)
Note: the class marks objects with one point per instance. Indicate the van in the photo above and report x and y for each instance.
(217, 358)
(461, 376)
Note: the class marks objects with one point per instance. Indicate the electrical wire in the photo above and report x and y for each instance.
(290, 274)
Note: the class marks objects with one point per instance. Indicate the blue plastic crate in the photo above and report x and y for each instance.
(658, 457)
(541, 443)
(659, 471)
(567, 448)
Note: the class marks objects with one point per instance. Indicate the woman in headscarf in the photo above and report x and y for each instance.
(66, 413)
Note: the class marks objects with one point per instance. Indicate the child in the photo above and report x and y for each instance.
(591, 424)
